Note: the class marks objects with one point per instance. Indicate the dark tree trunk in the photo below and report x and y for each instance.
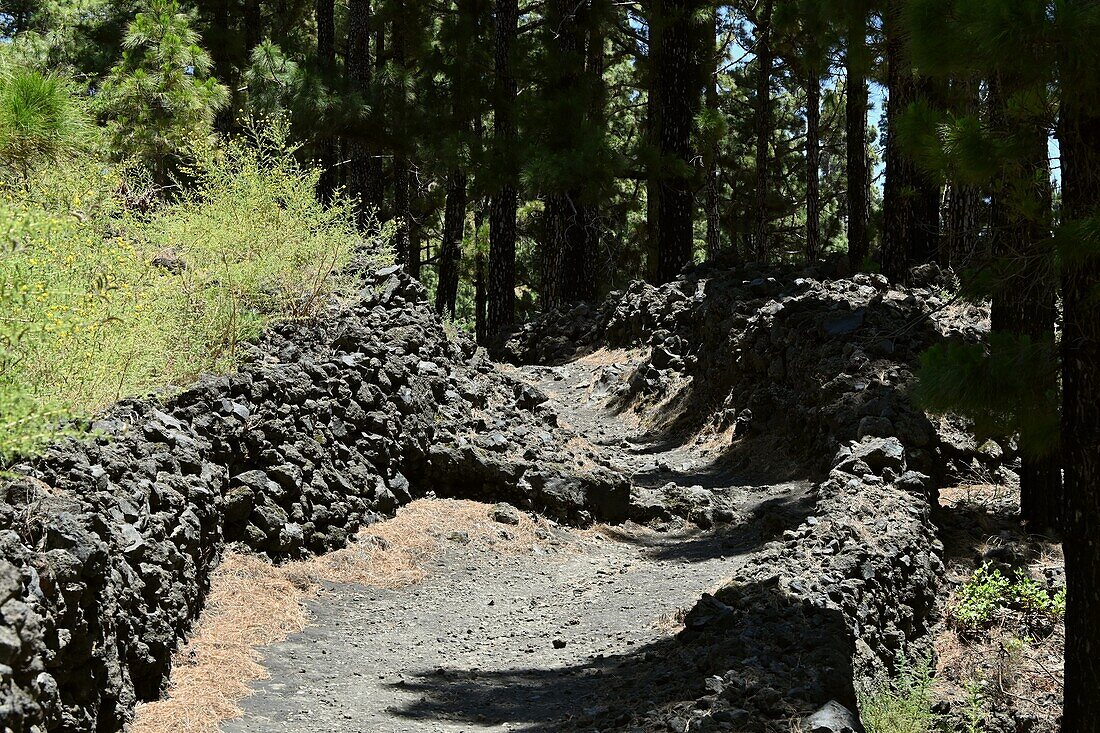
(1079, 134)
(565, 248)
(910, 198)
(765, 59)
(855, 124)
(408, 252)
(1024, 300)
(714, 220)
(450, 250)
(500, 289)
(253, 26)
(676, 84)
(962, 225)
(454, 217)
(652, 182)
(481, 335)
(364, 175)
(813, 167)
(327, 146)
(582, 267)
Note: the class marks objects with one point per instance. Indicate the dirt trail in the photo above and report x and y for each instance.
(519, 642)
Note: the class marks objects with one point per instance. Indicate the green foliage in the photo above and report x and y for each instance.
(86, 315)
(158, 100)
(901, 705)
(988, 595)
(40, 119)
(994, 385)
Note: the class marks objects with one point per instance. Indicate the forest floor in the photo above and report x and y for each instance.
(500, 626)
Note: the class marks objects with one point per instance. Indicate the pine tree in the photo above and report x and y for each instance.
(327, 149)
(765, 59)
(158, 99)
(460, 32)
(808, 37)
(364, 174)
(857, 61)
(713, 131)
(676, 79)
(911, 199)
(41, 120)
(500, 289)
(1007, 151)
(1079, 135)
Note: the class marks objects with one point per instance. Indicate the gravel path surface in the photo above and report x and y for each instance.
(517, 642)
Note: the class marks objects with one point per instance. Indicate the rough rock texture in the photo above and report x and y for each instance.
(817, 369)
(106, 545)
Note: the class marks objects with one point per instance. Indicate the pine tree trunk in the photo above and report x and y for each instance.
(653, 169)
(855, 124)
(1024, 301)
(327, 146)
(450, 249)
(813, 167)
(910, 197)
(1079, 134)
(714, 221)
(408, 251)
(763, 124)
(481, 335)
(253, 26)
(676, 84)
(564, 253)
(962, 225)
(364, 174)
(500, 289)
(454, 217)
(583, 267)
(962, 216)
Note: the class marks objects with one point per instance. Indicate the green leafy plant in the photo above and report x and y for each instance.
(988, 595)
(903, 704)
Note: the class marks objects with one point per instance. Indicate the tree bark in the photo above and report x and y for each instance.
(676, 85)
(481, 336)
(813, 167)
(454, 217)
(364, 173)
(1024, 301)
(910, 197)
(1079, 135)
(962, 215)
(713, 201)
(855, 123)
(408, 251)
(565, 275)
(327, 146)
(450, 249)
(765, 59)
(500, 288)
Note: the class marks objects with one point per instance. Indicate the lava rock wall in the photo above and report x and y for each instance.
(107, 544)
(821, 367)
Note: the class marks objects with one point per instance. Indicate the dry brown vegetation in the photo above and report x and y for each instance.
(253, 603)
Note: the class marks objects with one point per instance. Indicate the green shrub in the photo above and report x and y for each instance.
(901, 705)
(989, 595)
(88, 317)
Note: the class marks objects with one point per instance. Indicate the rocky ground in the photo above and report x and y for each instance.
(759, 419)
(553, 639)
